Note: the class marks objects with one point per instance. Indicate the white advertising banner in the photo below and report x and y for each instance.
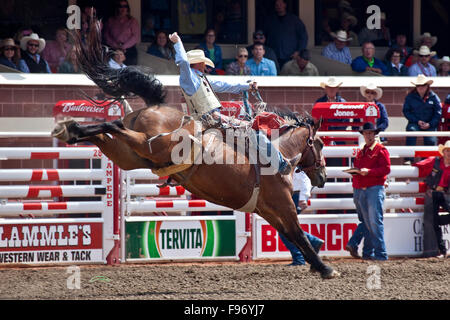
(402, 232)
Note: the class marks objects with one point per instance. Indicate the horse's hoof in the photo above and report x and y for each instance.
(330, 274)
(313, 270)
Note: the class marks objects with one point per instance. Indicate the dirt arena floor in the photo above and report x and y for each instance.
(403, 279)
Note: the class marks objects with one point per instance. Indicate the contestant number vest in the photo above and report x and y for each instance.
(203, 100)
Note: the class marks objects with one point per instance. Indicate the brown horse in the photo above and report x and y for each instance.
(230, 185)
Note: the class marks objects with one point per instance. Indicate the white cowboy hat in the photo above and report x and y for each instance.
(331, 82)
(33, 36)
(341, 35)
(445, 59)
(352, 18)
(434, 39)
(198, 56)
(442, 147)
(424, 51)
(372, 87)
(421, 80)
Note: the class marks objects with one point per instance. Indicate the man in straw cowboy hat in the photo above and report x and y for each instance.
(437, 173)
(331, 88)
(371, 167)
(423, 66)
(203, 104)
(338, 50)
(422, 108)
(32, 61)
(373, 94)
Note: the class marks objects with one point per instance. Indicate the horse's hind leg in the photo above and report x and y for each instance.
(284, 218)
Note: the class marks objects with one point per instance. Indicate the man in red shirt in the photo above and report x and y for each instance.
(437, 173)
(372, 165)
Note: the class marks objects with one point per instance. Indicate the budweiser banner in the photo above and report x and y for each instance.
(87, 109)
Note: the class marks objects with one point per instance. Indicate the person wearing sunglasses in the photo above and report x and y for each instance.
(238, 67)
(122, 32)
(423, 65)
(9, 54)
(32, 61)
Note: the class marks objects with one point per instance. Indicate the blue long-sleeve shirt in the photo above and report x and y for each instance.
(190, 78)
(383, 120)
(429, 110)
(360, 65)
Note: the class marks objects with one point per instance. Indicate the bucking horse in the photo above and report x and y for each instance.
(144, 139)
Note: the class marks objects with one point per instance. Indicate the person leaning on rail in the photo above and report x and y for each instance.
(437, 173)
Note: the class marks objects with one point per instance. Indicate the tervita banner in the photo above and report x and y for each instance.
(180, 239)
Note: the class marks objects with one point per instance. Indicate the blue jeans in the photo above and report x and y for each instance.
(369, 205)
(297, 256)
(267, 152)
(412, 141)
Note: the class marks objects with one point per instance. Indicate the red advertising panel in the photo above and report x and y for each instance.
(56, 242)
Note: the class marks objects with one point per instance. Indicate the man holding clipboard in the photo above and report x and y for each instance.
(371, 167)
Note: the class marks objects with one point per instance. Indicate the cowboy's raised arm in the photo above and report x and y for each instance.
(188, 80)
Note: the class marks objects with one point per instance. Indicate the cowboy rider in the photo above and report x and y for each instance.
(199, 93)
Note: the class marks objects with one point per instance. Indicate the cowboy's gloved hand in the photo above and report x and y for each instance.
(174, 37)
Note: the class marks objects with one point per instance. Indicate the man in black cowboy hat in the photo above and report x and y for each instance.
(372, 165)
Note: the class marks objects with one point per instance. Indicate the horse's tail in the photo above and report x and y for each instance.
(122, 83)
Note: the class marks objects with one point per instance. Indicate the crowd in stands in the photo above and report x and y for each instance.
(279, 49)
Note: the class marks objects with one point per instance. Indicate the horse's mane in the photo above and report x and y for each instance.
(293, 119)
(128, 82)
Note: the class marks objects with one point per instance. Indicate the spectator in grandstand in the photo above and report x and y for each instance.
(300, 66)
(286, 33)
(372, 165)
(162, 47)
(443, 66)
(380, 37)
(70, 64)
(259, 37)
(422, 108)
(428, 40)
(10, 54)
(368, 62)
(56, 51)
(394, 65)
(423, 66)
(348, 22)
(148, 29)
(122, 32)
(118, 59)
(213, 52)
(22, 32)
(338, 50)
(437, 173)
(239, 67)
(373, 94)
(401, 44)
(302, 192)
(260, 66)
(32, 61)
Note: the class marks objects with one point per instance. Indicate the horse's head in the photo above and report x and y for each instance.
(313, 161)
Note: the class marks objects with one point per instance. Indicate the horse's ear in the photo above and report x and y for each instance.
(317, 124)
